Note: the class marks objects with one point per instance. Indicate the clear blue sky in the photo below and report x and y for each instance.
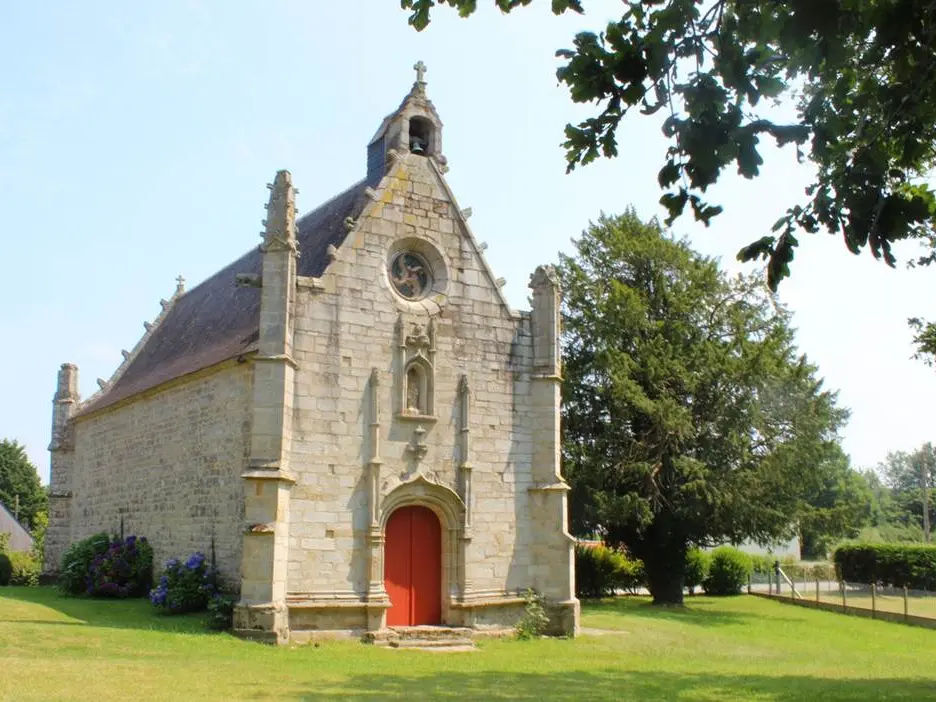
(136, 139)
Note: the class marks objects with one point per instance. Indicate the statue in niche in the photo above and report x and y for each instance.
(413, 403)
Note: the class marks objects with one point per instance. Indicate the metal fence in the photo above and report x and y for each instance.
(868, 599)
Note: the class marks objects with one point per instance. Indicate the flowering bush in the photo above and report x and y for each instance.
(73, 573)
(186, 587)
(125, 569)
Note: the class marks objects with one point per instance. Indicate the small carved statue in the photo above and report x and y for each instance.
(412, 392)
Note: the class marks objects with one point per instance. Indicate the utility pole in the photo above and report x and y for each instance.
(924, 479)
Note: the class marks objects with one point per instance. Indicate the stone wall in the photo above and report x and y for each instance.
(351, 326)
(168, 464)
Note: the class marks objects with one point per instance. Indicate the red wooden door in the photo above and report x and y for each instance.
(413, 567)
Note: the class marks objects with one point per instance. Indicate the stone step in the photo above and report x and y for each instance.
(431, 632)
(432, 643)
(421, 633)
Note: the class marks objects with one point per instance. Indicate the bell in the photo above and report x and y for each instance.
(417, 146)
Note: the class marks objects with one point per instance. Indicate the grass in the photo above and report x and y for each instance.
(742, 648)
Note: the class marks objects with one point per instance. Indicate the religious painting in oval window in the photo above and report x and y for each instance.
(410, 275)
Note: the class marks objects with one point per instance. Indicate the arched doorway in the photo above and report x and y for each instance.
(413, 567)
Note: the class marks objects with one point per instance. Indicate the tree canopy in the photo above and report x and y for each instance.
(836, 506)
(908, 474)
(862, 74)
(19, 478)
(688, 416)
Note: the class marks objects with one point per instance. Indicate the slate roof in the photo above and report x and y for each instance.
(217, 320)
(20, 538)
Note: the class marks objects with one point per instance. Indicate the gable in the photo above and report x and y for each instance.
(413, 206)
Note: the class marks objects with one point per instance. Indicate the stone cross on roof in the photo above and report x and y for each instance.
(420, 69)
(180, 285)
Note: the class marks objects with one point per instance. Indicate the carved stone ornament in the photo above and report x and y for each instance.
(418, 338)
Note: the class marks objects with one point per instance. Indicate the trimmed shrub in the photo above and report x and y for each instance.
(6, 568)
(894, 565)
(697, 567)
(728, 573)
(73, 573)
(24, 569)
(125, 569)
(186, 587)
(601, 572)
(594, 571)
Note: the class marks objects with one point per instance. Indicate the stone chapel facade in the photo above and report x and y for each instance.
(350, 417)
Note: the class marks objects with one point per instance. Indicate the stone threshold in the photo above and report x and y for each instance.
(431, 636)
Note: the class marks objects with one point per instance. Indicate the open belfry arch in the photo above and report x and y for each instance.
(350, 416)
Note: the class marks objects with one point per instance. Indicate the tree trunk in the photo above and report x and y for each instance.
(665, 567)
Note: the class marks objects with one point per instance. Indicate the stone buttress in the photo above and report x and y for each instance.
(554, 551)
(62, 449)
(261, 612)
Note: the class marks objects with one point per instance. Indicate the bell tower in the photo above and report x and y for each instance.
(414, 128)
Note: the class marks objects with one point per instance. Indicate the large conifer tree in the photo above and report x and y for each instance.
(689, 418)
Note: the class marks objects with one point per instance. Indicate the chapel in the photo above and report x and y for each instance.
(350, 418)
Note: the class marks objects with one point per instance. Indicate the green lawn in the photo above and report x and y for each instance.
(742, 648)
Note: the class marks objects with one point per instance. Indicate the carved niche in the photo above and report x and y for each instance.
(416, 350)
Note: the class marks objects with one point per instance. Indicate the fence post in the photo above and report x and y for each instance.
(817, 588)
(873, 599)
(844, 596)
(906, 607)
(749, 584)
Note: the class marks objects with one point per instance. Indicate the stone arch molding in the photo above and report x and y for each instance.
(421, 491)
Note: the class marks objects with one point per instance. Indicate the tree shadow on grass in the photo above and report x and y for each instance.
(83, 611)
(614, 685)
(698, 612)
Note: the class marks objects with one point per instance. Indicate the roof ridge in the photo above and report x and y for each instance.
(130, 356)
(330, 200)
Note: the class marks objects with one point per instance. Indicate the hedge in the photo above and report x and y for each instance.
(601, 572)
(895, 565)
